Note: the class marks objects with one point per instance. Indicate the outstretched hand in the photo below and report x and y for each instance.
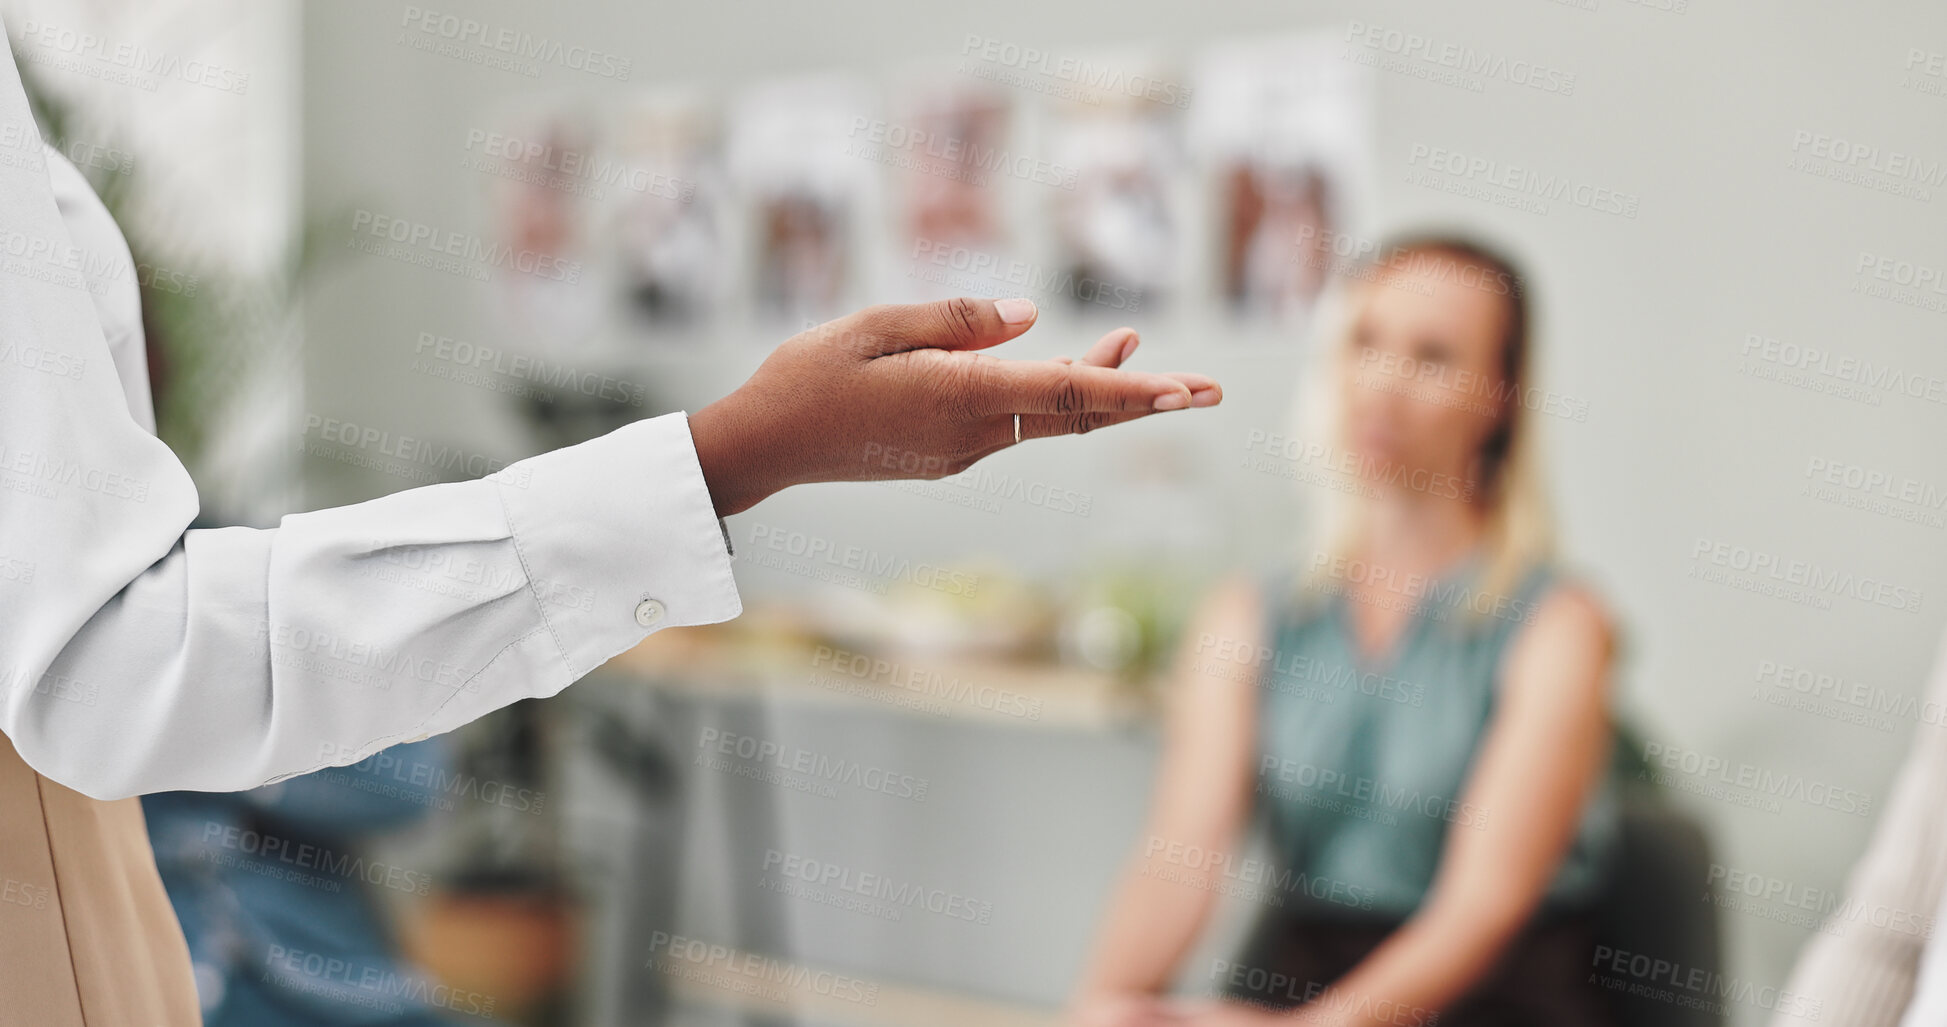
(905, 392)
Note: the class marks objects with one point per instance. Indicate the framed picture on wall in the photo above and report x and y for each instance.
(1119, 233)
(1281, 131)
(803, 197)
(669, 227)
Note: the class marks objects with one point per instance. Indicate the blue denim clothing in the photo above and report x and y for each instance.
(274, 890)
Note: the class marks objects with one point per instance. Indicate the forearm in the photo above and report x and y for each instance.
(1153, 918)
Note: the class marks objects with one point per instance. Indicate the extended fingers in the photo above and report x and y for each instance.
(1048, 387)
(1203, 393)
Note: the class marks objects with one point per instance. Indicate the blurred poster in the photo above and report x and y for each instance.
(544, 204)
(1118, 232)
(945, 150)
(670, 234)
(1282, 127)
(803, 194)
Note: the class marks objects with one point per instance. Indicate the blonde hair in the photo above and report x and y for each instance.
(1519, 529)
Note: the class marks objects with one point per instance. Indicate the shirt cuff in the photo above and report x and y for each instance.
(619, 539)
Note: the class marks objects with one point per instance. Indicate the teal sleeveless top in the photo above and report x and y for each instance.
(1363, 765)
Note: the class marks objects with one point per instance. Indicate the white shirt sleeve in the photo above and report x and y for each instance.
(137, 655)
(1929, 1008)
(1862, 969)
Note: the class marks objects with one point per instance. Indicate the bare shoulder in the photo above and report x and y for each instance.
(1570, 636)
(1225, 628)
(1572, 612)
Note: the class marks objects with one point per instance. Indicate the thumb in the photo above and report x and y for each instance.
(960, 323)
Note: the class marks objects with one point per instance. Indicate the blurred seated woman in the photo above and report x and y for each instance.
(1415, 714)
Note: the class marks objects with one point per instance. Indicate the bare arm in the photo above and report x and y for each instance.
(1545, 751)
(1201, 799)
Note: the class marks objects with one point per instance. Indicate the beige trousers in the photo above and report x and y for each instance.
(87, 936)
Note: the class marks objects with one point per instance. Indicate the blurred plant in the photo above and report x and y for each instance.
(1126, 618)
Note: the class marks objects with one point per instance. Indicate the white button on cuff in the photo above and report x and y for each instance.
(649, 613)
